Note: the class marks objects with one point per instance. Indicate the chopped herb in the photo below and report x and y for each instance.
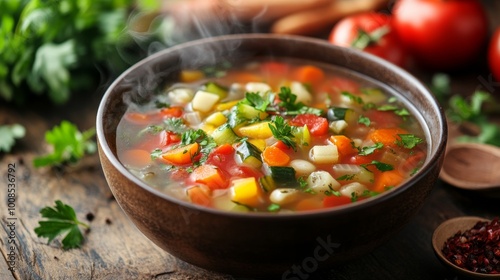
(402, 112)
(61, 220)
(388, 107)
(156, 153)
(154, 129)
(408, 141)
(368, 193)
(302, 182)
(69, 144)
(364, 151)
(159, 104)
(288, 103)
(332, 192)
(352, 97)
(257, 101)
(206, 143)
(175, 125)
(8, 134)
(379, 165)
(414, 171)
(283, 131)
(273, 207)
(364, 120)
(354, 196)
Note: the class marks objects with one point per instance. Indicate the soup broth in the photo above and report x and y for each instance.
(272, 136)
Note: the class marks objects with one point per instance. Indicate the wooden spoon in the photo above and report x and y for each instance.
(448, 229)
(472, 166)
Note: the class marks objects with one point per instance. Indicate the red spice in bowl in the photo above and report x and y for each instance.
(476, 249)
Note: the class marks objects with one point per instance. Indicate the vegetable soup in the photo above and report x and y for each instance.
(271, 136)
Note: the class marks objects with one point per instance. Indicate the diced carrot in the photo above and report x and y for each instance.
(211, 176)
(274, 156)
(386, 179)
(344, 145)
(309, 74)
(188, 76)
(308, 204)
(387, 136)
(182, 155)
(332, 201)
(171, 112)
(136, 158)
(199, 195)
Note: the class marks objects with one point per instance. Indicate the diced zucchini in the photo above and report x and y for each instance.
(302, 136)
(224, 134)
(337, 113)
(249, 154)
(212, 87)
(283, 175)
(258, 130)
(204, 101)
(248, 112)
(267, 183)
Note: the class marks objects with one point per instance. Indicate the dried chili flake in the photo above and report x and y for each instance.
(476, 249)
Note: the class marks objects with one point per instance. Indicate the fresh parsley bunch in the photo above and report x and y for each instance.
(53, 46)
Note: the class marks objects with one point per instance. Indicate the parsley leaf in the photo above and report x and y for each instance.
(61, 220)
(352, 97)
(8, 134)
(175, 125)
(288, 101)
(283, 131)
(69, 144)
(364, 120)
(206, 142)
(273, 207)
(257, 101)
(364, 151)
(379, 165)
(408, 141)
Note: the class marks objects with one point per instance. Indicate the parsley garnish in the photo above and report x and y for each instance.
(175, 125)
(69, 144)
(156, 153)
(352, 97)
(332, 192)
(61, 220)
(408, 141)
(8, 134)
(364, 120)
(273, 207)
(206, 142)
(346, 177)
(257, 101)
(288, 101)
(283, 131)
(379, 165)
(364, 151)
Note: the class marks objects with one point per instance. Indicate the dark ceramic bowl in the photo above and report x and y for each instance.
(263, 244)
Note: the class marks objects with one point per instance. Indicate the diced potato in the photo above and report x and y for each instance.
(321, 181)
(302, 167)
(303, 95)
(259, 130)
(355, 187)
(260, 88)
(246, 191)
(204, 101)
(284, 196)
(180, 95)
(338, 126)
(324, 154)
(216, 119)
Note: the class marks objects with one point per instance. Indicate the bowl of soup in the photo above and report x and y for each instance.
(259, 154)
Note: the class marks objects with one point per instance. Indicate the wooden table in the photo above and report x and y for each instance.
(115, 249)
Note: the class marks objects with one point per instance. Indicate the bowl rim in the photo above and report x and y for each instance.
(358, 206)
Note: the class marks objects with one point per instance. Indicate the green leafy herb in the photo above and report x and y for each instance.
(273, 207)
(332, 192)
(257, 101)
(379, 165)
(206, 142)
(9, 134)
(61, 220)
(364, 120)
(346, 177)
(352, 97)
(156, 153)
(364, 151)
(408, 141)
(43, 43)
(288, 101)
(69, 145)
(368, 193)
(175, 125)
(282, 131)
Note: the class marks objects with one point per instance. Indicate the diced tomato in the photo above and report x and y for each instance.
(333, 201)
(413, 161)
(317, 125)
(222, 157)
(282, 146)
(383, 119)
(273, 68)
(171, 112)
(172, 138)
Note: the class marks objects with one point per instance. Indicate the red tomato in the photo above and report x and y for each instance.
(317, 125)
(494, 55)
(441, 34)
(372, 33)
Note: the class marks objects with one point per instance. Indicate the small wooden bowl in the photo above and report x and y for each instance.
(448, 229)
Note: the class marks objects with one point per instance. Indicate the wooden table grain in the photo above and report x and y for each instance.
(115, 249)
